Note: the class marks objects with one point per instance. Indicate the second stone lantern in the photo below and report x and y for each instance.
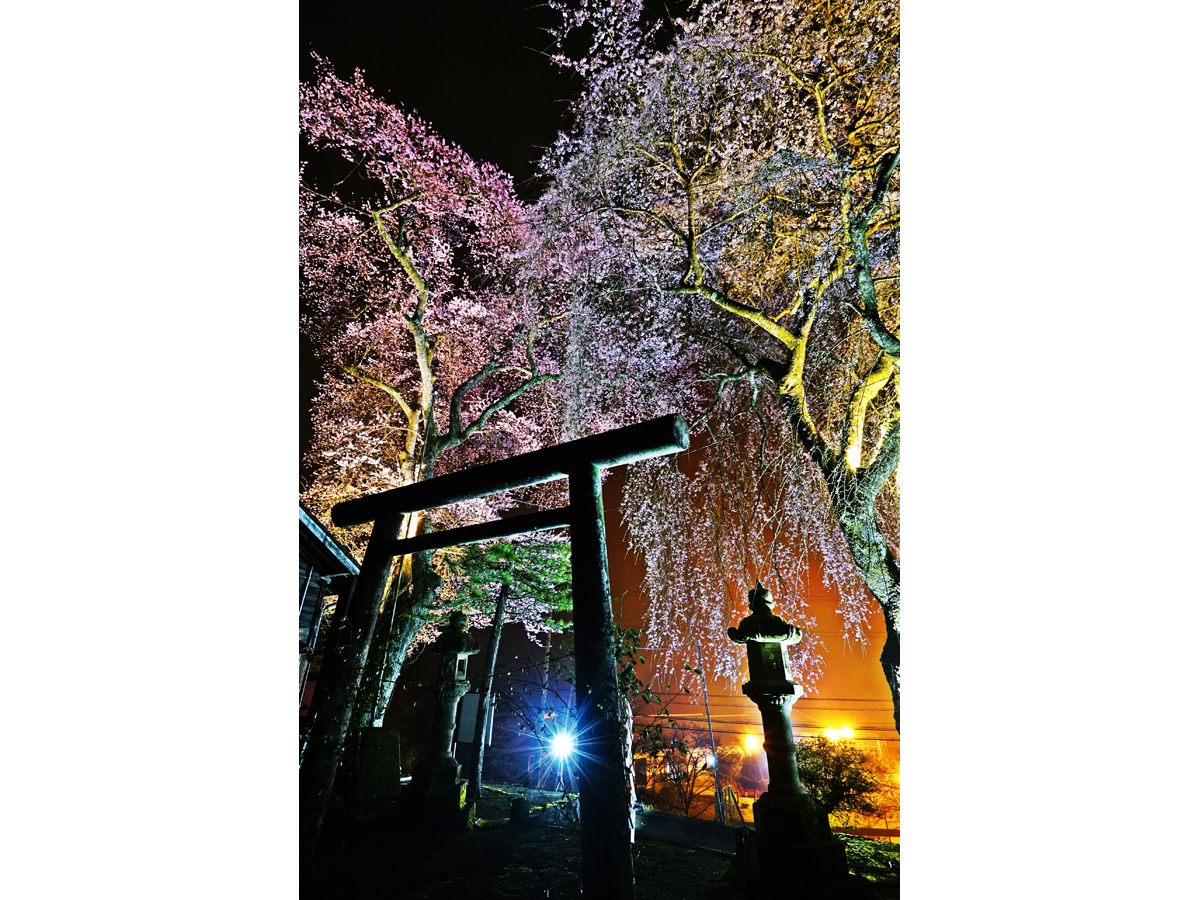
(791, 837)
(437, 793)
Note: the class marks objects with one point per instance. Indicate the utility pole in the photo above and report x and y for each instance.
(711, 739)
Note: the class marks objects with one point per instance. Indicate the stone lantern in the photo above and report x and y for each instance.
(437, 793)
(791, 841)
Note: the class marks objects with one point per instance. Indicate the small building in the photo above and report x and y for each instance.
(326, 569)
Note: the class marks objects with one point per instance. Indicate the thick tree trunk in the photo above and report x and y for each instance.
(368, 706)
(338, 686)
(890, 660)
(854, 505)
(411, 613)
(539, 723)
(475, 780)
(882, 574)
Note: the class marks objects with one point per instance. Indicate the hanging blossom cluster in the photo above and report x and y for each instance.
(743, 506)
(729, 210)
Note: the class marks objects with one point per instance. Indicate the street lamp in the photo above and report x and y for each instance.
(836, 733)
(562, 745)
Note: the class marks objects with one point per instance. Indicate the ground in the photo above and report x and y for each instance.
(540, 858)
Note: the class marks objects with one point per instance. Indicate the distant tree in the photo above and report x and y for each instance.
(744, 771)
(683, 771)
(728, 207)
(650, 728)
(886, 799)
(651, 732)
(841, 776)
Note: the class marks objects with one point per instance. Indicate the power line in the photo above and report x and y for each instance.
(814, 700)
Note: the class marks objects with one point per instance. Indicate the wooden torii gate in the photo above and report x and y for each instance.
(603, 794)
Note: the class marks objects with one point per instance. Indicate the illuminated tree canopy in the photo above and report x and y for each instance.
(730, 209)
(720, 237)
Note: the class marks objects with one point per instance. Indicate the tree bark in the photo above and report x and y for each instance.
(539, 724)
(852, 496)
(369, 706)
(475, 781)
(338, 686)
(412, 612)
(882, 574)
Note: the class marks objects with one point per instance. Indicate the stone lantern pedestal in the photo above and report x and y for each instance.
(791, 845)
(437, 795)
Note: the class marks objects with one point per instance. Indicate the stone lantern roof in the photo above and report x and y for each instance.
(454, 639)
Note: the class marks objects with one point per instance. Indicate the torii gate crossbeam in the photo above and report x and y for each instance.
(603, 795)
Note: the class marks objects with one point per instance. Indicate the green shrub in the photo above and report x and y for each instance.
(840, 776)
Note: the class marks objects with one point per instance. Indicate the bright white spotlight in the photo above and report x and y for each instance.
(562, 745)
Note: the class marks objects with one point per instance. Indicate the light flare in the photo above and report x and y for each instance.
(562, 745)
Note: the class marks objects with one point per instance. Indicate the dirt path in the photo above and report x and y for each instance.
(496, 860)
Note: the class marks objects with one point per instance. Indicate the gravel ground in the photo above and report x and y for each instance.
(538, 859)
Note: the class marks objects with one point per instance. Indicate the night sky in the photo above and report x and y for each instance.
(479, 78)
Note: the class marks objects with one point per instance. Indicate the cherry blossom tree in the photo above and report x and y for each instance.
(434, 356)
(730, 207)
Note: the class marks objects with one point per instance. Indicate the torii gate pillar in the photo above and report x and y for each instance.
(604, 813)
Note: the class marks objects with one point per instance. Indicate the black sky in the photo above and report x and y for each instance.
(476, 72)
